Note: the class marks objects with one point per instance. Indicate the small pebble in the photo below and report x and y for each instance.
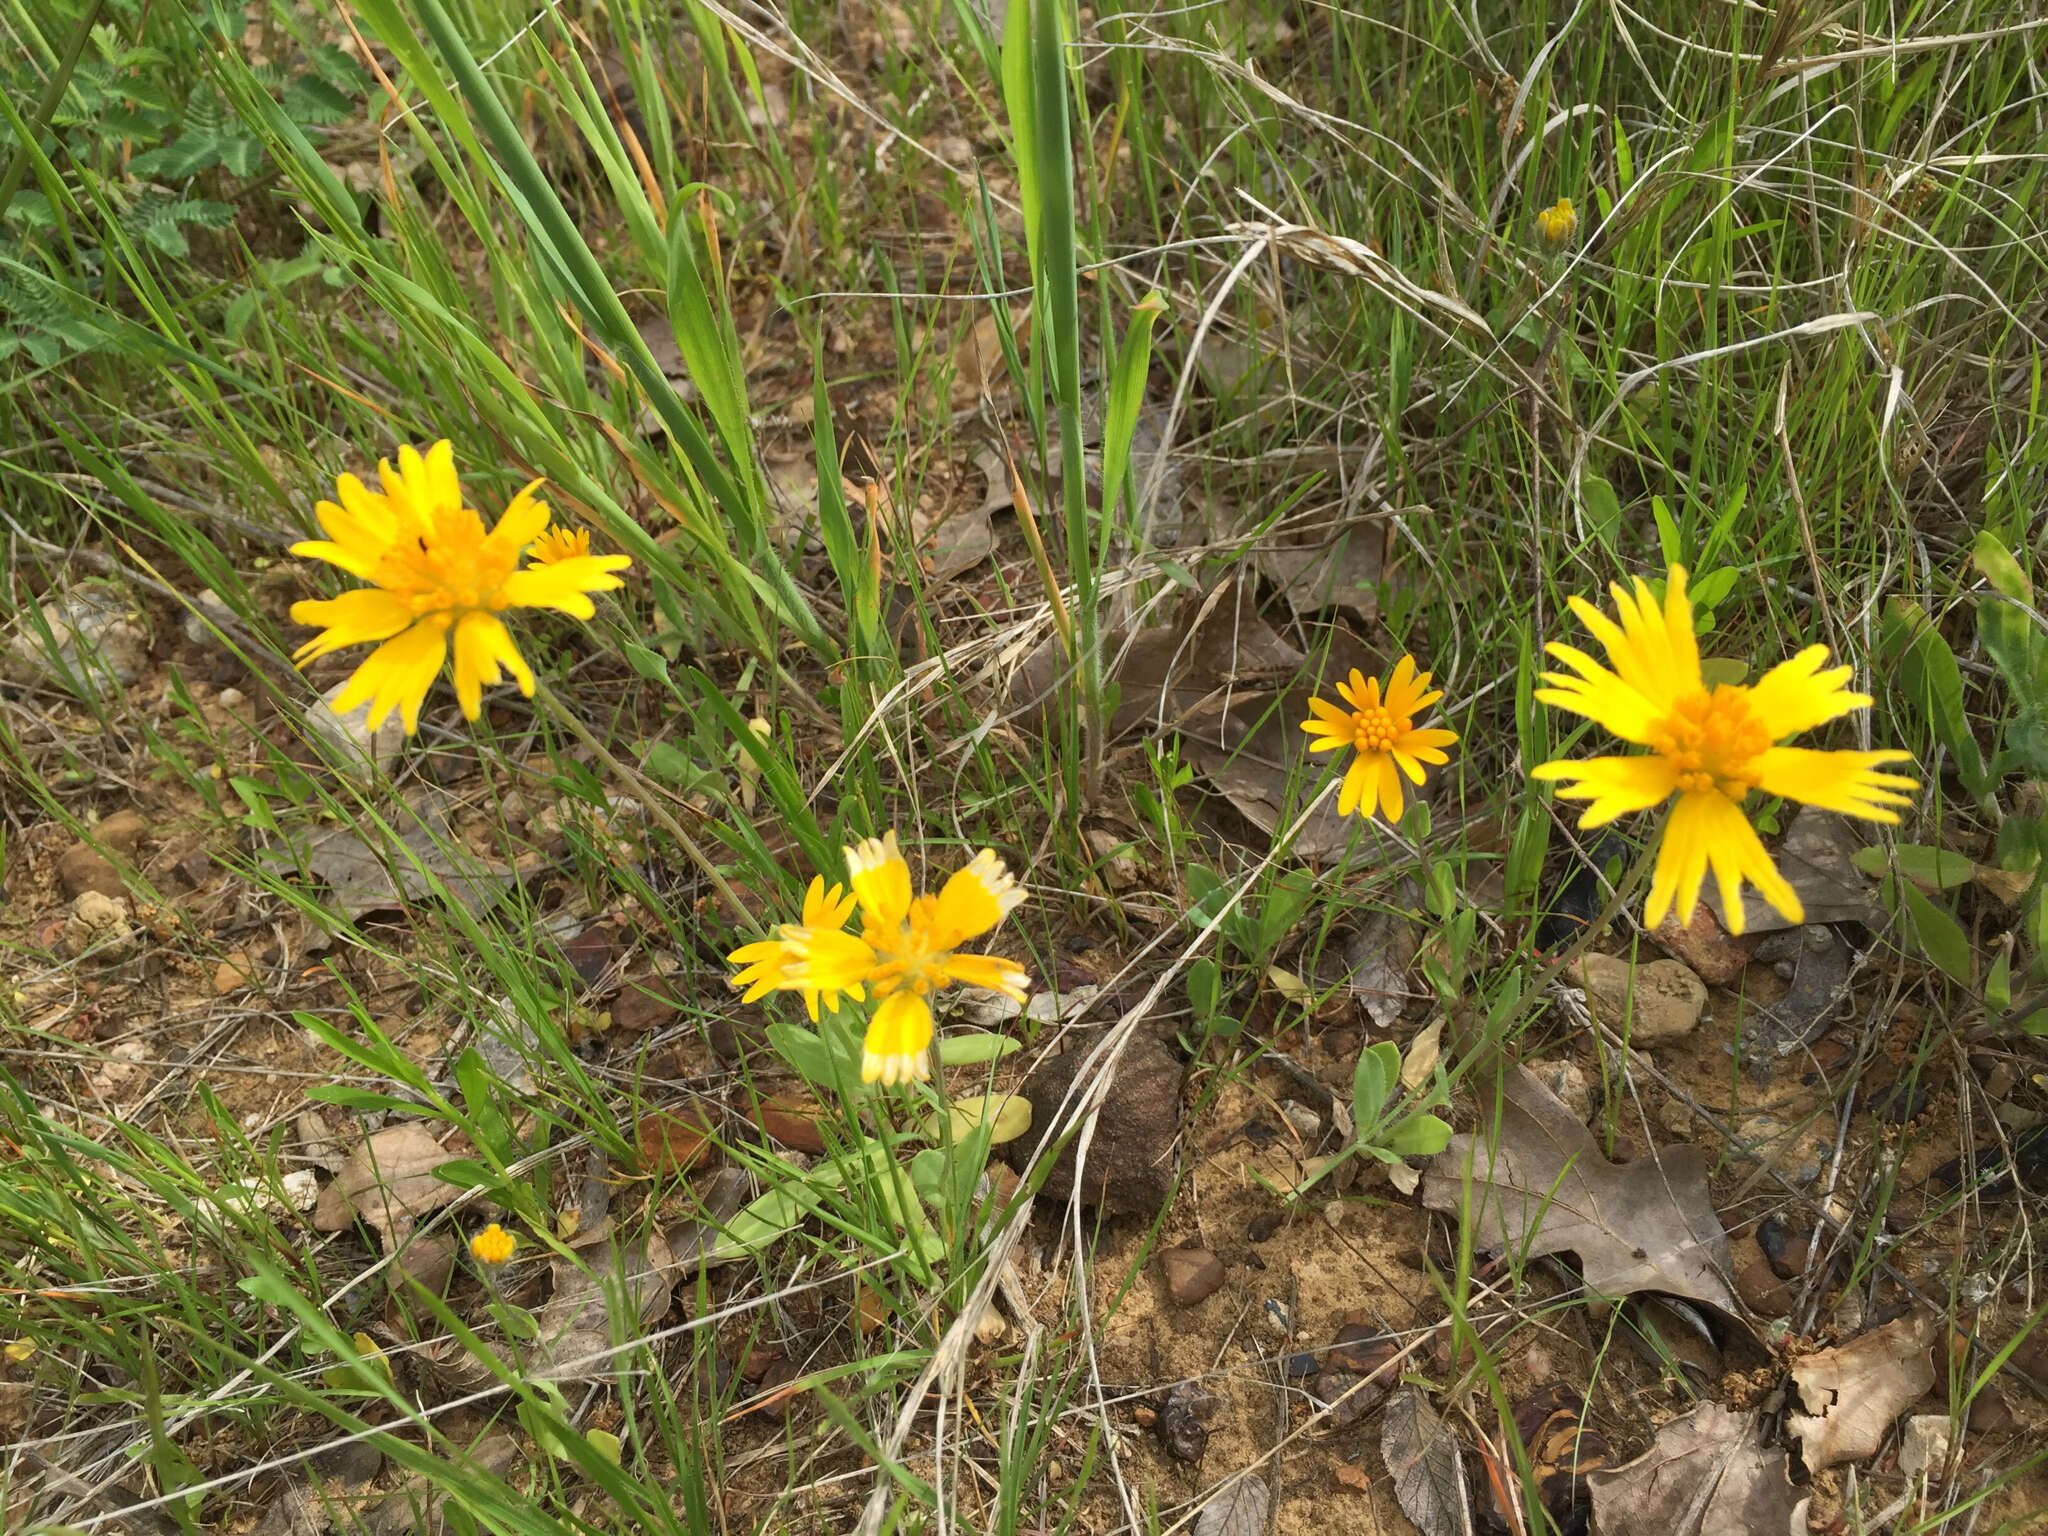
(1193, 1275)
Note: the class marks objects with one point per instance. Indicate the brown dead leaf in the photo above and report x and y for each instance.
(1853, 1393)
(956, 538)
(1423, 1460)
(389, 1183)
(575, 1332)
(1815, 856)
(1238, 1508)
(371, 877)
(672, 1144)
(1707, 1475)
(1353, 1479)
(1541, 1186)
(1379, 955)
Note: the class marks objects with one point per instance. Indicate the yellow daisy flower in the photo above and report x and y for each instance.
(1382, 728)
(906, 950)
(1709, 747)
(493, 1246)
(559, 544)
(1554, 225)
(767, 961)
(436, 576)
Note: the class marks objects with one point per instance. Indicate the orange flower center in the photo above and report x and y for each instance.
(1377, 729)
(1713, 741)
(908, 958)
(446, 566)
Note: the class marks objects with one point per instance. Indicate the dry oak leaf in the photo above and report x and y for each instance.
(575, 1331)
(1424, 1462)
(1707, 1475)
(1541, 1186)
(1853, 1393)
(1237, 1508)
(389, 1182)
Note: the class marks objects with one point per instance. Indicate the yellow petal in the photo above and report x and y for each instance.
(1615, 785)
(493, 643)
(826, 908)
(880, 879)
(351, 560)
(764, 964)
(1352, 690)
(1361, 791)
(1708, 830)
(397, 676)
(898, 1041)
(524, 519)
(1390, 787)
(1836, 781)
(974, 900)
(1427, 745)
(1797, 695)
(476, 662)
(563, 584)
(354, 618)
(1600, 695)
(990, 972)
(826, 959)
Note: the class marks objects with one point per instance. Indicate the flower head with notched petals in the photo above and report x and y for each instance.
(1554, 225)
(438, 579)
(1381, 725)
(907, 949)
(1709, 747)
(767, 962)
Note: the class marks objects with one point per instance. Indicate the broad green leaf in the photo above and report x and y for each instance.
(1940, 938)
(1126, 394)
(1419, 1136)
(1996, 565)
(1008, 1116)
(1372, 1080)
(1205, 987)
(1934, 684)
(975, 1048)
(1934, 869)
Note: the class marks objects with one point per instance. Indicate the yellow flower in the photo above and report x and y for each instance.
(767, 961)
(559, 544)
(436, 576)
(1709, 747)
(1383, 730)
(906, 950)
(1554, 225)
(493, 1246)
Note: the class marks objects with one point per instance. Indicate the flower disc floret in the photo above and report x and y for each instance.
(438, 580)
(1708, 748)
(493, 1246)
(1380, 727)
(908, 948)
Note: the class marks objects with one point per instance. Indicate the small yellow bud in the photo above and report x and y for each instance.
(492, 1246)
(1554, 225)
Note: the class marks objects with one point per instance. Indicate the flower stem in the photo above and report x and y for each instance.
(650, 797)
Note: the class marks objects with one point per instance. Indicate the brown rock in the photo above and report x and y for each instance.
(1192, 1275)
(1761, 1290)
(234, 973)
(123, 832)
(1714, 955)
(794, 1125)
(81, 869)
(1131, 1160)
(644, 1006)
(1667, 998)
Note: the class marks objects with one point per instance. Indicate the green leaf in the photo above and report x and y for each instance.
(1941, 939)
(1603, 511)
(976, 1047)
(1419, 1136)
(1378, 1070)
(1126, 394)
(1933, 869)
(805, 1050)
(1934, 683)
(1205, 987)
(1996, 565)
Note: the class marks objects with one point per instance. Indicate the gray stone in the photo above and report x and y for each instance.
(1923, 1445)
(1667, 997)
(99, 637)
(1193, 1275)
(349, 737)
(207, 617)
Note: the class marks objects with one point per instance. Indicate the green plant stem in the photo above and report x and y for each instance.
(649, 797)
(53, 96)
